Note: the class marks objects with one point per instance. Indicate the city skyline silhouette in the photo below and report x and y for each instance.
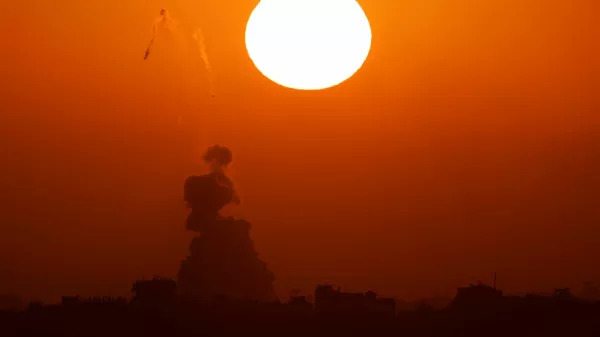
(463, 151)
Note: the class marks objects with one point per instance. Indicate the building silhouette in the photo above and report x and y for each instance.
(330, 301)
(476, 295)
(155, 293)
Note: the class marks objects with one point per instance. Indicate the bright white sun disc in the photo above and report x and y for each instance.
(308, 44)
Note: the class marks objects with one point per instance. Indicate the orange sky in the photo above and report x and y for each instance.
(468, 143)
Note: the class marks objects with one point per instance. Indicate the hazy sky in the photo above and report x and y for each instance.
(468, 143)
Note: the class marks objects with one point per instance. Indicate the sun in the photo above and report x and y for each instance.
(308, 44)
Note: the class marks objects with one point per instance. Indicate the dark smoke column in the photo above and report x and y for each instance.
(222, 258)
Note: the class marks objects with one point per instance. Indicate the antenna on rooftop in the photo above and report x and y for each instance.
(494, 280)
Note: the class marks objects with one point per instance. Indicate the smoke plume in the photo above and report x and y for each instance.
(218, 158)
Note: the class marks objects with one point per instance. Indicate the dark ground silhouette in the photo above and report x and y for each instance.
(224, 289)
(156, 310)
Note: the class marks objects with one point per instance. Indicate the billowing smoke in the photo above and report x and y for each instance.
(218, 158)
(223, 260)
(164, 21)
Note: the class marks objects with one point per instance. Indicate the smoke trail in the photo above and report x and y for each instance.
(162, 21)
(165, 21)
(199, 37)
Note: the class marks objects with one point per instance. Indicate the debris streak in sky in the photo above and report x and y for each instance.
(165, 21)
(199, 38)
(162, 21)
